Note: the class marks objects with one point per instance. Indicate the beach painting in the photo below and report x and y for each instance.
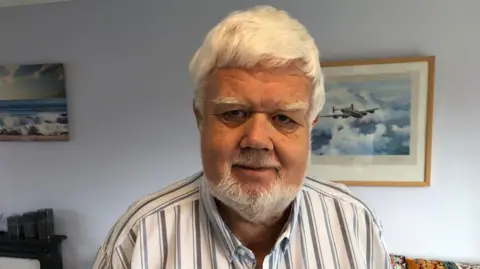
(33, 104)
(375, 126)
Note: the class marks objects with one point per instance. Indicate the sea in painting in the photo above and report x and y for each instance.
(33, 105)
(367, 115)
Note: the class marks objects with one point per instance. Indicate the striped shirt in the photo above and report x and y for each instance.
(180, 228)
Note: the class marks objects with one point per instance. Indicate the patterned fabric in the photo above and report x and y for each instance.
(468, 266)
(180, 227)
(398, 261)
(437, 264)
(429, 264)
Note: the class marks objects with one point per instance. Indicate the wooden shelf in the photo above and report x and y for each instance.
(47, 251)
(55, 240)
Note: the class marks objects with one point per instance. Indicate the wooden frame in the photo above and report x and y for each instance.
(376, 125)
(12, 3)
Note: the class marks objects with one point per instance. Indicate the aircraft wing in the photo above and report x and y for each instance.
(372, 110)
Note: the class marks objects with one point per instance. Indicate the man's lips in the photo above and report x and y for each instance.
(252, 167)
(256, 168)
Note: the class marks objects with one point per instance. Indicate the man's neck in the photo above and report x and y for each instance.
(258, 237)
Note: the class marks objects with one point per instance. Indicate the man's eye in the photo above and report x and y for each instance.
(234, 116)
(282, 119)
(285, 123)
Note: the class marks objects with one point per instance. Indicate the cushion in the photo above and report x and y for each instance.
(398, 261)
(429, 264)
(467, 266)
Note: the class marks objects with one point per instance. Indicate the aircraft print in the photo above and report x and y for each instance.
(350, 111)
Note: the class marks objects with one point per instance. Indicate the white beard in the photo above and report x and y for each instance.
(256, 208)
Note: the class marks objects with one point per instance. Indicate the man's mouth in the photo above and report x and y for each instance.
(252, 167)
(255, 168)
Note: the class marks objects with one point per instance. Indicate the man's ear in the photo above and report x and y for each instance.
(315, 120)
(198, 115)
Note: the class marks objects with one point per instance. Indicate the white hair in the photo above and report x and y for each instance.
(260, 34)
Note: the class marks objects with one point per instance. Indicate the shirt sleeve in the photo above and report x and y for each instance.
(116, 253)
(376, 252)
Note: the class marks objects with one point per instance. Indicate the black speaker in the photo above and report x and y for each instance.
(45, 223)
(14, 224)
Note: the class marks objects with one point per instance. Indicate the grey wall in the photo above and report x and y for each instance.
(133, 130)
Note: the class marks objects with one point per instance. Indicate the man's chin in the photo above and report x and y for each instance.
(254, 203)
(255, 185)
(253, 208)
(255, 190)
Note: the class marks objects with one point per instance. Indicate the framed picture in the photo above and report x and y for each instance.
(33, 105)
(375, 127)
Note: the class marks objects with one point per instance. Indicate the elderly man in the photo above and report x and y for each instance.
(258, 90)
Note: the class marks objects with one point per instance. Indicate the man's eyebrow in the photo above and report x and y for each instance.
(299, 105)
(227, 101)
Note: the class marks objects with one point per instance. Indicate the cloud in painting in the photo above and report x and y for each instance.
(36, 81)
(384, 132)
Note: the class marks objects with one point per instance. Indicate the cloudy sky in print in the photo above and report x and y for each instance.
(384, 132)
(35, 81)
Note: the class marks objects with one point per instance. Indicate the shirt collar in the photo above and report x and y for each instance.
(231, 241)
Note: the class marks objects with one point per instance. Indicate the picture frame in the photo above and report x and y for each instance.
(375, 127)
(33, 102)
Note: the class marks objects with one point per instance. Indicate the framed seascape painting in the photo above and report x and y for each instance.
(375, 127)
(33, 105)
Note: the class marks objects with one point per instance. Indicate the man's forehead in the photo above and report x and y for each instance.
(283, 74)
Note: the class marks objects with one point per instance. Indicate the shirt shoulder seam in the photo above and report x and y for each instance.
(341, 190)
(130, 219)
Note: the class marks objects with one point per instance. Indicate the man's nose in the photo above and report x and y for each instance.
(257, 133)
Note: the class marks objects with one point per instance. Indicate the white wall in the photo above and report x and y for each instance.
(133, 130)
